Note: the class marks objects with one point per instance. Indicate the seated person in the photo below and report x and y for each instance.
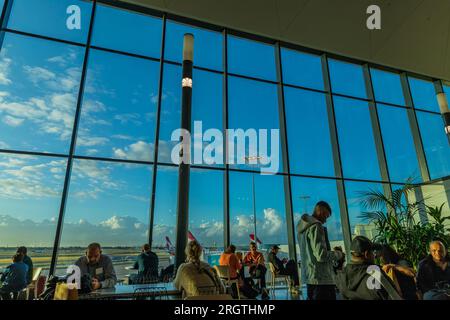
(195, 277)
(98, 266)
(27, 260)
(229, 258)
(255, 261)
(147, 266)
(284, 267)
(434, 271)
(399, 271)
(356, 282)
(14, 278)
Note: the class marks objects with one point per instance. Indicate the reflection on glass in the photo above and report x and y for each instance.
(387, 87)
(308, 132)
(207, 45)
(267, 206)
(357, 145)
(127, 31)
(254, 105)
(206, 108)
(435, 143)
(206, 208)
(360, 226)
(302, 69)
(398, 144)
(30, 197)
(306, 192)
(347, 78)
(423, 94)
(107, 203)
(251, 58)
(50, 18)
(119, 106)
(39, 83)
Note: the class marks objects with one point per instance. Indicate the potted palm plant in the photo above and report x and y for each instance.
(399, 221)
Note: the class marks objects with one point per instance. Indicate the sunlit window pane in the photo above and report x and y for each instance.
(264, 212)
(347, 78)
(206, 208)
(119, 107)
(253, 106)
(30, 198)
(302, 69)
(39, 84)
(62, 19)
(387, 87)
(107, 203)
(356, 140)
(251, 58)
(435, 143)
(308, 132)
(165, 216)
(423, 94)
(127, 31)
(398, 144)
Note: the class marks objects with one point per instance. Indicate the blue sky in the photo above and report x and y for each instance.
(110, 202)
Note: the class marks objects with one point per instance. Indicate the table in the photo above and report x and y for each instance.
(128, 291)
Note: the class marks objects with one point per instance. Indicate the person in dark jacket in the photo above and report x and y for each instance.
(284, 267)
(361, 279)
(14, 278)
(433, 272)
(146, 264)
(27, 260)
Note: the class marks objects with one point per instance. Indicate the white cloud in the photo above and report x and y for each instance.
(125, 118)
(4, 71)
(83, 141)
(38, 74)
(136, 151)
(23, 178)
(12, 121)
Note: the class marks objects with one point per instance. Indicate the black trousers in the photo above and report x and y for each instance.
(290, 269)
(321, 292)
(259, 272)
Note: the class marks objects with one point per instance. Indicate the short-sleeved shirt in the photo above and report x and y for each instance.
(231, 260)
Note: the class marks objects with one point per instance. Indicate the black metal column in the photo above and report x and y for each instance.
(184, 168)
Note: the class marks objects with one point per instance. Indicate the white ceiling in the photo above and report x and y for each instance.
(415, 34)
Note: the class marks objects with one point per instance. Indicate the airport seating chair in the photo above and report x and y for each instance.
(30, 290)
(224, 275)
(274, 276)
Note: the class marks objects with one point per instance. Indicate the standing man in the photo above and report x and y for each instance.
(27, 260)
(317, 260)
(98, 266)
